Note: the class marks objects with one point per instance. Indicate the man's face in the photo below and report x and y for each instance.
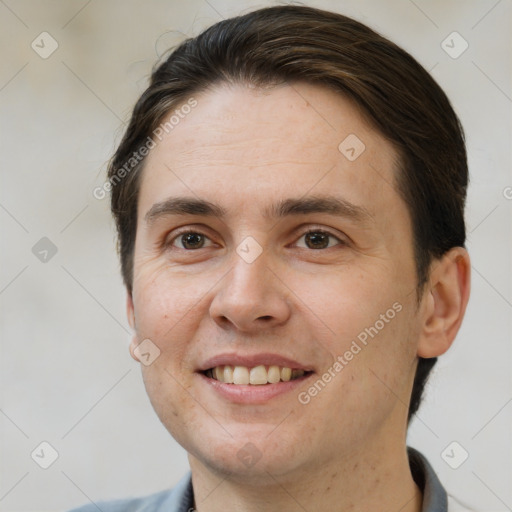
(276, 280)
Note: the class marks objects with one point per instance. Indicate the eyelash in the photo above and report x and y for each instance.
(170, 243)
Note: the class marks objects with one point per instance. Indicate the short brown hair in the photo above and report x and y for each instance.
(302, 44)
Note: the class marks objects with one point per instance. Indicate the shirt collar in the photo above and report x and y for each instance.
(434, 494)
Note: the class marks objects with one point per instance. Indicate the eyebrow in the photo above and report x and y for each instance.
(292, 206)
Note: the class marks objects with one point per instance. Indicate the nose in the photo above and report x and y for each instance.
(250, 297)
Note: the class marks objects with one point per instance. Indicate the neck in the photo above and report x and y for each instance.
(378, 479)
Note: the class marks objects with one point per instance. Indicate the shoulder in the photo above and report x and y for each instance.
(177, 499)
(147, 503)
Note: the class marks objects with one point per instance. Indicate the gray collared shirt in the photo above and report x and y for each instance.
(181, 497)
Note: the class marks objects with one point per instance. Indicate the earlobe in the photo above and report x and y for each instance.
(130, 313)
(445, 302)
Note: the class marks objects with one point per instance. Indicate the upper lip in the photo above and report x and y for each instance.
(251, 361)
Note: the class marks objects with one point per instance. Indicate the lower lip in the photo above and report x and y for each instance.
(253, 394)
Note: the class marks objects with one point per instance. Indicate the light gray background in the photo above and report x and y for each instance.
(66, 375)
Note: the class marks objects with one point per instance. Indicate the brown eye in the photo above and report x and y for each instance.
(189, 240)
(192, 240)
(319, 239)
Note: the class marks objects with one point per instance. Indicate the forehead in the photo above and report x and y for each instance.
(249, 145)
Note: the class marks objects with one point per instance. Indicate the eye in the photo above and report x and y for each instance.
(188, 240)
(319, 239)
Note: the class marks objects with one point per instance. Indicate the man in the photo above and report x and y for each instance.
(289, 197)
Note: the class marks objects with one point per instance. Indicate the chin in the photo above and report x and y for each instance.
(256, 469)
(253, 456)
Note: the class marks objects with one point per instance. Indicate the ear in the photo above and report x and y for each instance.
(444, 302)
(130, 313)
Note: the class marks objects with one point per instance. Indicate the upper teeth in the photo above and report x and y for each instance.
(257, 375)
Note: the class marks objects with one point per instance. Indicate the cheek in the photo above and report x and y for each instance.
(384, 369)
(367, 321)
(348, 300)
(168, 396)
(162, 299)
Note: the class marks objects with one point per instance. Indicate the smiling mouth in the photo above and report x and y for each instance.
(256, 376)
